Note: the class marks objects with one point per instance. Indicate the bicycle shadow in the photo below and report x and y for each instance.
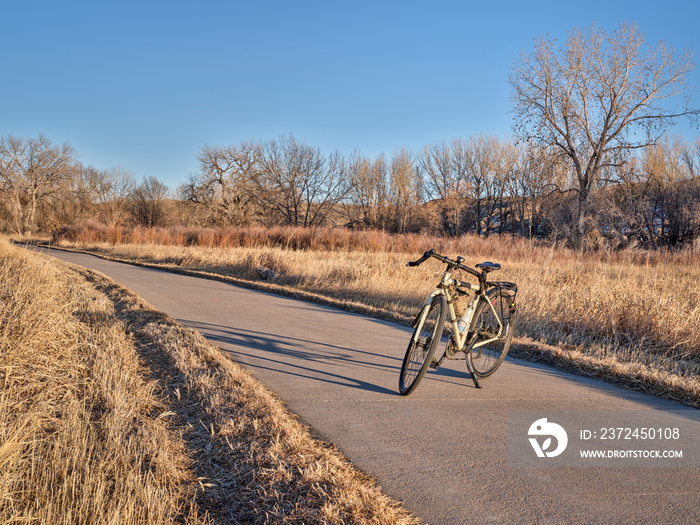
(300, 357)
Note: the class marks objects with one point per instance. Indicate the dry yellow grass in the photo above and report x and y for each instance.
(110, 412)
(80, 437)
(629, 317)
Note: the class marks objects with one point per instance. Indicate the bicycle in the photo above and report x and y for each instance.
(481, 336)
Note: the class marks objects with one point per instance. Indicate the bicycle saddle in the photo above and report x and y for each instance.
(488, 266)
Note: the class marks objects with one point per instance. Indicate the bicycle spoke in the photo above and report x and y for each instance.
(422, 347)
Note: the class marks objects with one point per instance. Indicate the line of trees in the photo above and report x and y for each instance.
(42, 186)
(591, 161)
(481, 184)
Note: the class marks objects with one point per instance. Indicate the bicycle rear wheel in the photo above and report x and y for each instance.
(424, 341)
(487, 358)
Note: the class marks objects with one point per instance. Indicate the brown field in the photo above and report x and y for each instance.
(112, 413)
(628, 316)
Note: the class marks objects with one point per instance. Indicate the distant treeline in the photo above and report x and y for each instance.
(482, 185)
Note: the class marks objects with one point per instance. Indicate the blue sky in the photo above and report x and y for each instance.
(145, 84)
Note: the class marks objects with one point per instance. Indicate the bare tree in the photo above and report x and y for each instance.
(296, 183)
(368, 190)
(31, 170)
(470, 180)
(81, 195)
(405, 192)
(72, 201)
(677, 191)
(597, 98)
(658, 202)
(510, 156)
(535, 176)
(88, 193)
(95, 193)
(114, 187)
(447, 182)
(691, 157)
(147, 202)
(224, 182)
(481, 159)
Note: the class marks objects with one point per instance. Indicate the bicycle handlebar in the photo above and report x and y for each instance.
(454, 264)
(420, 261)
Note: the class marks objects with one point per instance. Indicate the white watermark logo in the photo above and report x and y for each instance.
(545, 431)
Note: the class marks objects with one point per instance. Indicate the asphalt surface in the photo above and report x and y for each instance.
(444, 450)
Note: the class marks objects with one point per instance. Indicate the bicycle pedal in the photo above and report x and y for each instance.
(434, 363)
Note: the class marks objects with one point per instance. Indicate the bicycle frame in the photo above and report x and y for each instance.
(447, 284)
(461, 338)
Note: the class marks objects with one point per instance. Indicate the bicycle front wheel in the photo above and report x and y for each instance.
(425, 340)
(488, 356)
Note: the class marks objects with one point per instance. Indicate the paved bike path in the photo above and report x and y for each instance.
(443, 451)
